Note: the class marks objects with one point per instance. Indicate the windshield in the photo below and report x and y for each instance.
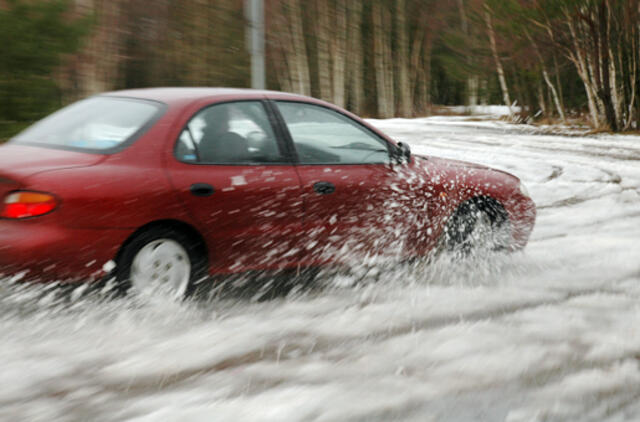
(96, 124)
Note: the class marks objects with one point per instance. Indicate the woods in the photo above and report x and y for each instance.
(550, 59)
(598, 39)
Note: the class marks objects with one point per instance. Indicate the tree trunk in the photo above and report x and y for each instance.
(322, 48)
(616, 98)
(417, 47)
(339, 53)
(595, 81)
(494, 50)
(281, 67)
(378, 56)
(298, 52)
(555, 66)
(604, 89)
(355, 56)
(388, 59)
(382, 61)
(541, 100)
(101, 59)
(633, 73)
(402, 53)
(425, 91)
(472, 80)
(547, 79)
(580, 62)
(554, 94)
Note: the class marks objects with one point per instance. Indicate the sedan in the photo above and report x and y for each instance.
(162, 188)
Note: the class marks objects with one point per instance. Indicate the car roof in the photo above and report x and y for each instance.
(172, 95)
(181, 97)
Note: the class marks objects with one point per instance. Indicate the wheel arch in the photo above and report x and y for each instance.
(486, 203)
(181, 226)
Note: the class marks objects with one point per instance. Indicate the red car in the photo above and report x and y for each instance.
(162, 187)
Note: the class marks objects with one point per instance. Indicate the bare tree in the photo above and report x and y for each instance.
(473, 81)
(547, 79)
(290, 39)
(339, 50)
(383, 62)
(405, 96)
(355, 56)
(99, 61)
(323, 43)
(494, 50)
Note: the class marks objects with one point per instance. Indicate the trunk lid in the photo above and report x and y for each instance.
(18, 162)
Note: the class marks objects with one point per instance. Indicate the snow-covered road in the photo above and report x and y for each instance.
(551, 334)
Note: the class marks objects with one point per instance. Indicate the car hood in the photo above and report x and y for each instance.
(446, 162)
(18, 162)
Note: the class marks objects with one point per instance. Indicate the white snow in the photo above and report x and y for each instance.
(484, 110)
(550, 334)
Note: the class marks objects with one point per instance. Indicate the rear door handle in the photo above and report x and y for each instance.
(202, 189)
(324, 188)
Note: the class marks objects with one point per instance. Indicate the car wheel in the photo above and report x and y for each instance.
(478, 225)
(161, 261)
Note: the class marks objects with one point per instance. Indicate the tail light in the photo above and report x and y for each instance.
(27, 204)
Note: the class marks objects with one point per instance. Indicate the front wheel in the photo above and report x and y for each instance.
(478, 224)
(160, 261)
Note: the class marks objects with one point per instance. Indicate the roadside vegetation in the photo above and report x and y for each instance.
(37, 39)
(556, 61)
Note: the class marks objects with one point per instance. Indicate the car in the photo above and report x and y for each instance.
(162, 188)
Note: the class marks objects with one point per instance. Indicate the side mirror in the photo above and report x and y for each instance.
(404, 155)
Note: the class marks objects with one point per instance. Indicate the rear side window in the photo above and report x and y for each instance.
(97, 124)
(230, 133)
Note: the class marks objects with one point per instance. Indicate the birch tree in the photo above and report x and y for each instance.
(494, 50)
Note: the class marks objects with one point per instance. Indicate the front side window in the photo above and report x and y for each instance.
(229, 133)
(95, 124)
(323, 136)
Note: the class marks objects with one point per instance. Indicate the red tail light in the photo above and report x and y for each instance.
(27, 204)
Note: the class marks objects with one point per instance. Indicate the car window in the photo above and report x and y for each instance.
(323, 136)
(229, 133)
(95, 124)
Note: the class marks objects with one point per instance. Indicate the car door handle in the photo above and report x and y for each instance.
(202, 189)
(324, 188)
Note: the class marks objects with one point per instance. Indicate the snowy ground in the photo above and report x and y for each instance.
(552, 334)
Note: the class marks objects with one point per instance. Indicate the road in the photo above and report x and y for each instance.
(550, 334)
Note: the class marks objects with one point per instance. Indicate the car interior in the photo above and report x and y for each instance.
(230, 133)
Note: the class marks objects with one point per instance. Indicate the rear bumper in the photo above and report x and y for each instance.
(49, 252)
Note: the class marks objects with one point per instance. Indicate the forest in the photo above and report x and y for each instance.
(553, 61)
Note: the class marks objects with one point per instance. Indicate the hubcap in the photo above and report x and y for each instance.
(161, 266)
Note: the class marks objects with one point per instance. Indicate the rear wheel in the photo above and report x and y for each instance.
(478, 224)
(161, 261)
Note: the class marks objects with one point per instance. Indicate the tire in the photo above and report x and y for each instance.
(477, 224)
(161, 261)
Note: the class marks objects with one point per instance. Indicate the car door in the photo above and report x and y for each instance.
(354, 194)
(234, 176)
